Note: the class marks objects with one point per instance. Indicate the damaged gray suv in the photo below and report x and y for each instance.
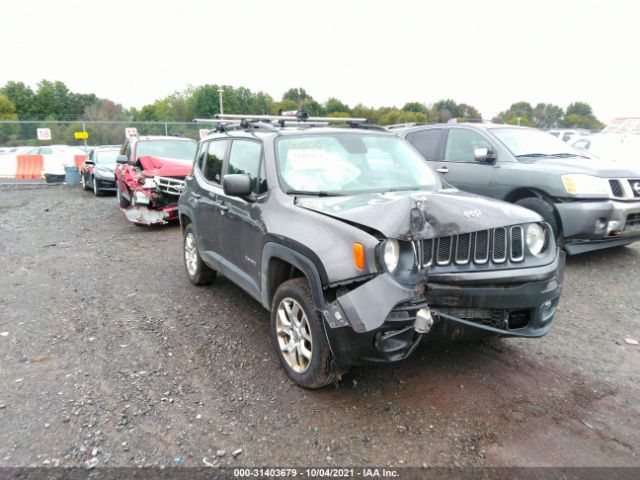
(355, 246)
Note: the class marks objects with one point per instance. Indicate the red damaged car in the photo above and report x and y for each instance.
(150, 177)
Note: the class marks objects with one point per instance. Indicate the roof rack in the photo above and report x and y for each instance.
(402, 125)
(299, 118)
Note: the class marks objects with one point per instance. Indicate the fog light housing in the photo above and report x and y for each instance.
(424, 321)
(601, 223)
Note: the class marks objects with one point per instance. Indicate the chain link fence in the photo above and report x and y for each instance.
(25, 133)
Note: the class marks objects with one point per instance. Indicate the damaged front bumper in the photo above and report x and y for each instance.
(143, 215)
(376, 322)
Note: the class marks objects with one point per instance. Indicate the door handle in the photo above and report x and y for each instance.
(223, 207)
(196, 195)
(442, 170)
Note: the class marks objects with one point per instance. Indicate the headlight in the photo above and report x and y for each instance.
(149, 183)
(104, 174)
(581, 184)
(391, 254)
(535, 237)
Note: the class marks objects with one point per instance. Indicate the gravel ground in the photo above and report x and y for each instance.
(108, 356)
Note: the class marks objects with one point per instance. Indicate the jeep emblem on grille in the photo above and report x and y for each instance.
(472, 213)
(636, 188)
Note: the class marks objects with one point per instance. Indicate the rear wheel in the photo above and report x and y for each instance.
(547, 212)
(199, 273)
(299, 336)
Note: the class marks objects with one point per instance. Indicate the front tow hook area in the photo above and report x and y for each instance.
(399, 344)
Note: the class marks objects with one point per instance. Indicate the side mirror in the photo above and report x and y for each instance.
(89, 162)
(484, 155)
(122, 159)
(236, 185)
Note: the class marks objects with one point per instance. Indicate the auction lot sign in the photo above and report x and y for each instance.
(43, 133)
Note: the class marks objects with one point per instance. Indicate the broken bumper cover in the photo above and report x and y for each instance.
(508, 303)
(593, 225)
(143, 215)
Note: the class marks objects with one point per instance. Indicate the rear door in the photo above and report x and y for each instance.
(241, 224)
(429, 143)
(206, 196)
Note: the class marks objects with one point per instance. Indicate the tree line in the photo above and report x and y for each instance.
(52, 100)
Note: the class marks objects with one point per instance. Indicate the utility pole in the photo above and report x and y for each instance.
(221, 104)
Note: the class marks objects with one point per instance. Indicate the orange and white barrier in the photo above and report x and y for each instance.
(29, 167)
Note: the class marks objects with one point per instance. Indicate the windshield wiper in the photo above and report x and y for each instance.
(552, 155)
(403, 189)
(316, 194)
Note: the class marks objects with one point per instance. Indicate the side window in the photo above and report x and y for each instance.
(461, 143)
(212, 170)
(427, 142)
(245, 159)
(201, 155)
(127, 150)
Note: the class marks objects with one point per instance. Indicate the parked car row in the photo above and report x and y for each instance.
(363, 241)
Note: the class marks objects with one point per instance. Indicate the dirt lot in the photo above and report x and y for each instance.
(108, 356)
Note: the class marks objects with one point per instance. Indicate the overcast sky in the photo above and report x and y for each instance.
(485, 53)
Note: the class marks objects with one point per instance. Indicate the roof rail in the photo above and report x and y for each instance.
(401, 125)
(289, 118)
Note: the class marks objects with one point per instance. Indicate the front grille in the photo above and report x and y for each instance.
(633, 222)
(490, 317)
(170, 186)
(616, 188)
(497, 245)
(634, 183)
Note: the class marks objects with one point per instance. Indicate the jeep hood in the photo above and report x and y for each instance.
(410, 216)
(165, 167)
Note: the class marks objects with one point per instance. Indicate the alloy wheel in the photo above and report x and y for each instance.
(191, 254)
(294, 335)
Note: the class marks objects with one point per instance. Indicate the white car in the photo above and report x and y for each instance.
(568, 135)
(617, 147)
(56, 157)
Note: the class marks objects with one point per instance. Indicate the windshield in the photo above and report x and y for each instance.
(106, 156)
(530, 142)
(180, 149)
(611, 146)
(347, 163)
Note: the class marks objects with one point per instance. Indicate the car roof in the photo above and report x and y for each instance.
(479, 126)
(159, 137)
(295, 131)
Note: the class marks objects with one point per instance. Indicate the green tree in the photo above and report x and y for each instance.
(22, 96)
(547, 115)
(333, 105)
(415, 107)
(519, 113)
(444, 110)
(580, 115)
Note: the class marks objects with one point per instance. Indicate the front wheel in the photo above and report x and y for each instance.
(97, 192)
(123, 202)
(198, 272)
(299, 337)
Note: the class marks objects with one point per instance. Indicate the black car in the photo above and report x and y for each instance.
(356, 248)
(97, 172)
(590, 204)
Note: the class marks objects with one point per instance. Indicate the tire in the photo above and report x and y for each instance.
(547, 212)
(293, 302)
(198, 272)
(123, 202)
(96, 191)
(85, 186)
